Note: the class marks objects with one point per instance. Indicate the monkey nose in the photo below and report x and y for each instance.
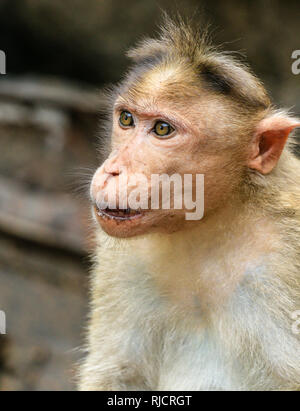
(112, 168)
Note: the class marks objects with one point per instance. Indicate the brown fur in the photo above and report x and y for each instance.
(199, 305)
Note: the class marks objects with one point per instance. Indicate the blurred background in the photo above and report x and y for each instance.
(59, 55)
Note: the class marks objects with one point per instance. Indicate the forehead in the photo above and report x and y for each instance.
(169, 82)
(168, 88)
(176, 92)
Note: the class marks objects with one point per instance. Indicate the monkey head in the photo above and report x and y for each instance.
(183, 109)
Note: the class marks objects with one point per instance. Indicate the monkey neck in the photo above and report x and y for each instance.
(193, 266)
(228, 225)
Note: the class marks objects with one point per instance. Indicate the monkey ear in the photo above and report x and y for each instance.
(269, 141)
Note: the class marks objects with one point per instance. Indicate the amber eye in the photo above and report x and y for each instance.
(163, 129)
(126, 119)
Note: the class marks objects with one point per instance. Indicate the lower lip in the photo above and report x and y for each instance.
(106, 215)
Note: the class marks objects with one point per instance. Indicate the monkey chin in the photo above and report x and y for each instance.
(121, 228)
(139, 224)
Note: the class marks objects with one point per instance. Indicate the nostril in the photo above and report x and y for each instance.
(112, 169)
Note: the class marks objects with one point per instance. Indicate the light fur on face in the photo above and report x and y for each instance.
(206, 305)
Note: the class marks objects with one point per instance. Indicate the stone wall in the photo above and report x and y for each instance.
(47, 133)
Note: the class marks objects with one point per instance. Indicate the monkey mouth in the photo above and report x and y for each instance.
(118, 214)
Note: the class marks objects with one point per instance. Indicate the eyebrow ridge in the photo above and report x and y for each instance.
(152, 113)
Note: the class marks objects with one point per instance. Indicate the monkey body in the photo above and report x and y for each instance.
(166, 317)
(196, 305)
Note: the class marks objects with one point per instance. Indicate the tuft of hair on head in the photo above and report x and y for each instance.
(185, 41)
(177, 36)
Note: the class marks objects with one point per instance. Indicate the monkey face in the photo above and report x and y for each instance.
(150, 141)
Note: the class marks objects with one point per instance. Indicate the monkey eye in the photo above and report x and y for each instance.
(126, 119)
(162, 129)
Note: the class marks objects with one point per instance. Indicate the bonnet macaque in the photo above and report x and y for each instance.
(207, 303)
